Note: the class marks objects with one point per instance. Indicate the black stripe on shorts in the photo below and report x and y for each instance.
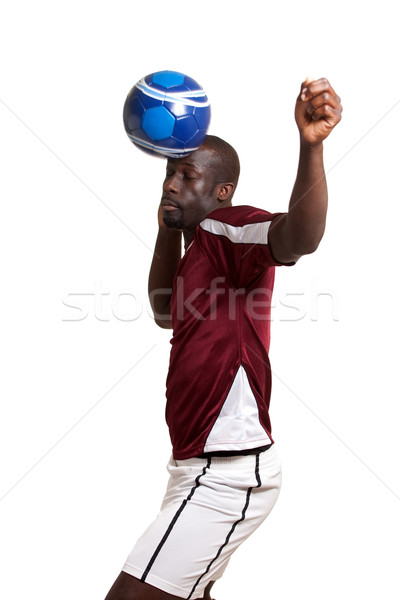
(236, 523)
(174, 520)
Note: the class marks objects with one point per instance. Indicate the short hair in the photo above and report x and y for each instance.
(227, 167)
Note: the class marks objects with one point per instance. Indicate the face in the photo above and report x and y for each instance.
(189, 191)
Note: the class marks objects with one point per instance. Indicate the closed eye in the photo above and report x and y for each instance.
(189, 175)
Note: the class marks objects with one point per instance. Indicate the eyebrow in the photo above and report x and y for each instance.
(193, 165)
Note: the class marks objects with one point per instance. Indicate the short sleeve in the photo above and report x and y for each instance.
(236, 239)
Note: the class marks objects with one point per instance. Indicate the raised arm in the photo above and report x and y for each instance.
(167, 254)
(299, 231)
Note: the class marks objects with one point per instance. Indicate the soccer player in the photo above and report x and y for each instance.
(224, 472)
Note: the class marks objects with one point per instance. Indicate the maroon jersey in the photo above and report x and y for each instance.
(219, 379)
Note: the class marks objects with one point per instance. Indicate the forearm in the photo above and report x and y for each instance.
(318, 110)
(305, 221)
(167, 254)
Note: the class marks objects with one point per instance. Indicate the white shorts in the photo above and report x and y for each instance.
(211, 506)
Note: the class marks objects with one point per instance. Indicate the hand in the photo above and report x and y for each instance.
(170, 230)
(318, 110)
(161, 223)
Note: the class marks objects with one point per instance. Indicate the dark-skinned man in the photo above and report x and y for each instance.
(225, 475)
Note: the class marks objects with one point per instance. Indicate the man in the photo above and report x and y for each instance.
(224, 472)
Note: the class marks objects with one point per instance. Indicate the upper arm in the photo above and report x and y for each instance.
(279, 241)
(243, 251)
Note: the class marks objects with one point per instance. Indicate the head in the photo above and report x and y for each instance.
(197, 184)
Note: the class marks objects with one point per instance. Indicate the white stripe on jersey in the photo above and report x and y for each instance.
(253, 233)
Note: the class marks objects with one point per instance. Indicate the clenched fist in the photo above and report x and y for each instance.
(318, 110)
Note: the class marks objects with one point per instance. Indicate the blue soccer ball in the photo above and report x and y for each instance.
(167, 114)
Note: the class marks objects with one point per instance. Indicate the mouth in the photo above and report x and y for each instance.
(169, 205)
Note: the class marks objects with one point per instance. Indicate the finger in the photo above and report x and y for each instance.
(331, 115)
(308, 82)
(309, 79)
(321, 99)
(315, 88)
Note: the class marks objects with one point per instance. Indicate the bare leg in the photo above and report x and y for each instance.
(207, 591)
(127, 587)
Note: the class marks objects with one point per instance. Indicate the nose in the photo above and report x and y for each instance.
(171, 184)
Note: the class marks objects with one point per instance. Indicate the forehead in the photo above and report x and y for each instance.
(201, 160)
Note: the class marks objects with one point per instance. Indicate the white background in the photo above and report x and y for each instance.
(82, 433)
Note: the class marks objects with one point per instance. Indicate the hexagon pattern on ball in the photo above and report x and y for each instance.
(158, 123)
(167, 114)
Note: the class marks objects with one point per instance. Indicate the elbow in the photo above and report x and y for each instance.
(162, 316)
(309, 248)
(161, 307)
(163, 323)
(308, 244)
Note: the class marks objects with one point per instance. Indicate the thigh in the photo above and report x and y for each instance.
(210, 508)
(127, 587)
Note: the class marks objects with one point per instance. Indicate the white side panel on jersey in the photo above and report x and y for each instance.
(238, 425)
(253, 233)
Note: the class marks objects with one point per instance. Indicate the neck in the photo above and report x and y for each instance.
(188, 235)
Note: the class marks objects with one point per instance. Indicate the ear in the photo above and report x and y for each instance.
(225, 191)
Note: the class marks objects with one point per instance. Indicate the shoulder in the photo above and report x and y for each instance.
(239, 216)
(240, 224)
